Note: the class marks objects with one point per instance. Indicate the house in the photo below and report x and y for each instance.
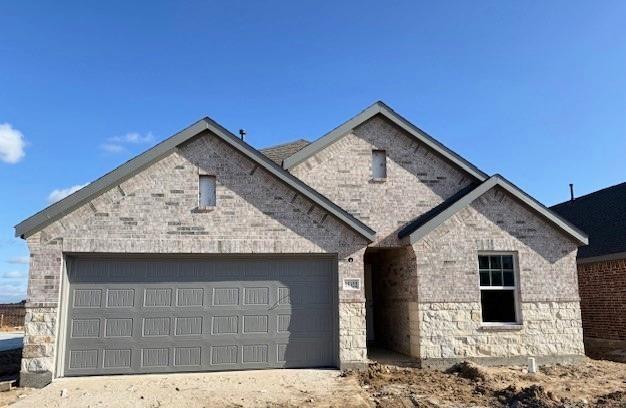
(203, 253)
(601, 269)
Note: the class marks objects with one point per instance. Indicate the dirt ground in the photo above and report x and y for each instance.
(589, 384)
(266, 388)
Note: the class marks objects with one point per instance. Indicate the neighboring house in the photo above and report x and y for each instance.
(204, 254)
(602, 269)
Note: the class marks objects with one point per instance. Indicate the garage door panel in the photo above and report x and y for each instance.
(144, 316)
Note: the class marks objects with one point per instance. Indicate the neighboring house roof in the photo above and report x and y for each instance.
(57, 210)
(379, 108)
(602, 215)
(280, 152)
(424, 224)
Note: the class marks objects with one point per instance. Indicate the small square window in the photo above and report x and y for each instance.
(206, 197)
(379, 164)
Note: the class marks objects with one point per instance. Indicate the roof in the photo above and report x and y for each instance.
(63, 207)
(379, 108)
(602, 215)
(280, 152)
(424, 224)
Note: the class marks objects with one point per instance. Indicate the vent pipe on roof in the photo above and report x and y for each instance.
(571, 191)
(242, 133)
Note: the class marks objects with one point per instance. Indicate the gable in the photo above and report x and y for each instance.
(379, 108)
(424, 224)
(134, 166)
(157, 210)
(417, 179)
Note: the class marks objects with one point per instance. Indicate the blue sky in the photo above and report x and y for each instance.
(533, 90)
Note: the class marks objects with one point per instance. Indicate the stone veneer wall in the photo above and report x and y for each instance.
(155, 212)
(343, 173)
(448, 284)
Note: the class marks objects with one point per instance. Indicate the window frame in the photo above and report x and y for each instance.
(214, 181)
(383, 153)
(516, 288)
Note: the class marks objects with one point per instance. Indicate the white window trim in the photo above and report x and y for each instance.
(516, 291)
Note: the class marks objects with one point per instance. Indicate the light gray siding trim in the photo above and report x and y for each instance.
(375, 109)
(135, 165)
(602, 258)
(493, 181)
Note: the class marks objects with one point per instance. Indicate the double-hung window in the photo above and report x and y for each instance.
(498, 289)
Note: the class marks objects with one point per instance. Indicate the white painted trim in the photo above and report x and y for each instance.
(516, 289)
(59, 351)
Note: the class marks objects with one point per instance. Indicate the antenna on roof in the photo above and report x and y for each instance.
(571, 191)
(242, 133)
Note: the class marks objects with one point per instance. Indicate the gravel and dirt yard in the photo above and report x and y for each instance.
(589, 384)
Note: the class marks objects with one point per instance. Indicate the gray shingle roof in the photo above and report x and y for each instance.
(280, 152)
(602, 215)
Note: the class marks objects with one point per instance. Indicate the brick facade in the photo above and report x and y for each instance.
(156, 211)
(603, 299)
(448, 284)
(431, 303)
(417, 178)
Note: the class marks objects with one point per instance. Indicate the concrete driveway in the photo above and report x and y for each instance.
(273, 388)
(11, 340)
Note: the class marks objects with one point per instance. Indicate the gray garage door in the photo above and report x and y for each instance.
(170, 315)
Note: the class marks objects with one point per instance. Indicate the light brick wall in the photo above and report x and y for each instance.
(417, 178)
(448, 283)
(155, 212)
(394, 279)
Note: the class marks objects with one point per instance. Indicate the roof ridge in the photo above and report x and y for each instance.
(421, 226)
(138, 163)
(282, 144)
(589, 194)
(380, 108)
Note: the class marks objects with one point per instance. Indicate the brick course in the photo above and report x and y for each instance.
(603, 299)
(433, 284)
(155, 211)
(448, 284)
(417, 178)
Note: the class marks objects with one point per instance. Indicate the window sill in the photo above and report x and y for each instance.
(378, 179)
(501, 327)
(199, 210)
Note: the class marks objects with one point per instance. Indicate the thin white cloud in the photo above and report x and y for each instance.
(133, 138)
(22, 260)
(112, 148)
(117, 144)
(12, 292)
(11, 144)
(14, 274)
(60, 194)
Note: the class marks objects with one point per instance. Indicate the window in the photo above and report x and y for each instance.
(379, 164)
(498, 289)
(206, 198)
